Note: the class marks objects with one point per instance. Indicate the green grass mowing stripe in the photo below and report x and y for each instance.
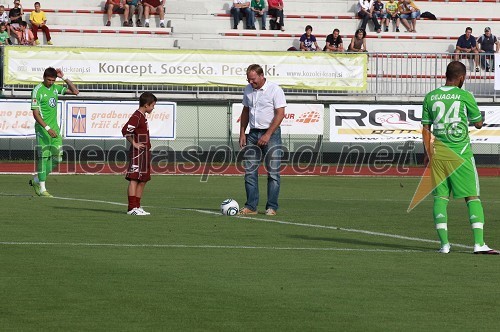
(130, 245)
(395, 236)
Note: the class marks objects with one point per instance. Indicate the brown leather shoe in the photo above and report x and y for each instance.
(246, 211)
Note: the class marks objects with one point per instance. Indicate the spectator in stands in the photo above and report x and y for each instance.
(4, 19)
(275, 8)
(308, 40)
(242, 8)
(391, 14)
(408, 10)
(16, 17)
(4, 35)
(485, 44)
(365, 13)
(334, 42)
(134, 5)
(259, 8)
(38, 20)
(466, 43)
(358, 42)
(154, 6)
(25, 35)
(116, 7)
(378, 11)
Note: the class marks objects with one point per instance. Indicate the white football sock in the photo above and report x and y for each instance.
(42, 186)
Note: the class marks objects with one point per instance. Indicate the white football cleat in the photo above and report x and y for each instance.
(142, 210)
(485, 250)
(445, 249)
(137, 212)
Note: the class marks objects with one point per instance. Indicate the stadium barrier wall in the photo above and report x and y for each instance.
(394, 77)
(205, 132)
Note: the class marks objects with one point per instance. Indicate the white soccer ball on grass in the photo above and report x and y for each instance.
(229, 207)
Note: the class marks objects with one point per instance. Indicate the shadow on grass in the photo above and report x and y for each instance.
(363, 243)
(92, 210)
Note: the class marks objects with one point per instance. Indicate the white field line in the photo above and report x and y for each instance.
(275, 221)
(221, 197)
(352, 230)
(126, 245)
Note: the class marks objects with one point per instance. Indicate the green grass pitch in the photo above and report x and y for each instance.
(342, 254)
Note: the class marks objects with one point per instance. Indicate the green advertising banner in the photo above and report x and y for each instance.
(295, 70)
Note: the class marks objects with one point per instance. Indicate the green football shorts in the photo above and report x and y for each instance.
(46, 145)
(459, 178)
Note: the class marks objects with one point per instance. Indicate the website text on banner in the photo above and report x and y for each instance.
(300, 119)
(396, 123)
(104, 120)
(16, 118)
(188, 67)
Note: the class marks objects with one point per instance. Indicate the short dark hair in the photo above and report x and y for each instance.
(36, 3)
(256, 68)
(468, 29)
(23, 24)
(50, 72)
(454, 70)
(147, 98)
(336, 30)
(309, 27)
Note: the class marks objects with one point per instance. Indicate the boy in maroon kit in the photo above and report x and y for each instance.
(136, 131)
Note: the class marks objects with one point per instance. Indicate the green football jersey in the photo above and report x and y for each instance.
(45, 100)
(449, 109)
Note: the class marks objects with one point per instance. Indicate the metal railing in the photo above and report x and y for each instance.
(391, 76)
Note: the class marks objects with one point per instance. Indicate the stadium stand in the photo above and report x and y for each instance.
(198, 24)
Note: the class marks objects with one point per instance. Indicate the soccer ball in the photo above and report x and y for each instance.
(229, 207)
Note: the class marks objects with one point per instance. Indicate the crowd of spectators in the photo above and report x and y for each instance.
(481, 50)
(380, 13)
(15, 30)
(472, 47)
(13, 25)
(128, 8)
(250, 9)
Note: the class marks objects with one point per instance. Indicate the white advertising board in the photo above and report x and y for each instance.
(16, 118)
(396, 123)
(300, 119)
(105, 119)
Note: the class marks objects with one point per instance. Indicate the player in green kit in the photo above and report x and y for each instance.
(448, 111)
(48, 135)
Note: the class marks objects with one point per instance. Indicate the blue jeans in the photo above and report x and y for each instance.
(365, 18)
(488, 59)
(238, 13)
(264, 18)
(272, 154)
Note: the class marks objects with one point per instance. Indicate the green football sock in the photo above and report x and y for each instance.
(441, 218)
(48, 167)
(56, 160)
(476, 219)
(41, 168)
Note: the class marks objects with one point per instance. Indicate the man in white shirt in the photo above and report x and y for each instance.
(263, 110)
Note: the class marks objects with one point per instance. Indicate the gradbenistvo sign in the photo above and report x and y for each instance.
(319, 71)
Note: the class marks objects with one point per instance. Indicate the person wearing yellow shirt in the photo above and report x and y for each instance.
(409, 11)
(38, 21)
